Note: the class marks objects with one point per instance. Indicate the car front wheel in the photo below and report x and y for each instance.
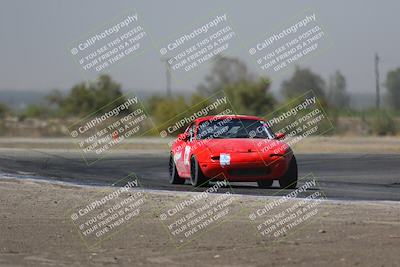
(265, 183)
(173, 173)
(197, 177)
(289, 180)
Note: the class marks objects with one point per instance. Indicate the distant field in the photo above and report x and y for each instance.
(331, 144)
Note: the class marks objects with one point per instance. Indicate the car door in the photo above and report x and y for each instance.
(187, 149)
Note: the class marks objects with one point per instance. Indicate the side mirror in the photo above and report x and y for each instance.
(279, 136)
(183, 137)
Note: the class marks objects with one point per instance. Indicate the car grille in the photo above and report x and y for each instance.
(250, 172)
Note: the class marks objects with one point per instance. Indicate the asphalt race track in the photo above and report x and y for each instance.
(340, 176)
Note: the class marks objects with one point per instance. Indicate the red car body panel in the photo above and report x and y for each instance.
(250, 159)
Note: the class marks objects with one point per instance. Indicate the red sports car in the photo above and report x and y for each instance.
(232, 147)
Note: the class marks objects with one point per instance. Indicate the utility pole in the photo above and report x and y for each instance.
(377, 81)
(168, 75)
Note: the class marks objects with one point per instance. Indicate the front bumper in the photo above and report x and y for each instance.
(247, 168)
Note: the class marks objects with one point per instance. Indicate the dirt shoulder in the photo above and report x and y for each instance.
(36, 231)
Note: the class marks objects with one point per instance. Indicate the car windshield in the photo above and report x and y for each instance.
(234, 128)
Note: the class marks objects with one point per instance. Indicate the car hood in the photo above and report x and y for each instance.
(246, 145)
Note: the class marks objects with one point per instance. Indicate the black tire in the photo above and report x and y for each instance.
(173, 173)
(289, 180)
(265, 183)
(197, 177)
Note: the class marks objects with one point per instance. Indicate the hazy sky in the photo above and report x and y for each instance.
(35, 36)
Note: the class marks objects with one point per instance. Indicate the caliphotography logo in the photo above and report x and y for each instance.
(301, 38)
(288, 211)
(195, 214)
(109, 212)
(194, 48)
(109, 44)
(109, 127)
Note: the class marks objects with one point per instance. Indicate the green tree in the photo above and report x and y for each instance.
(54, 98)
(86, 98)
(302, 81)
(225, 71)
(164, 109)
(80, 101)
(337, 95)
(393, 88)
(251, 98)
(246, 94)
(381, 123)
(4, 109)
(37, 111)
(105, 91)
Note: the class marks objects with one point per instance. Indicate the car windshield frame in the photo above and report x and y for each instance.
(261, 131)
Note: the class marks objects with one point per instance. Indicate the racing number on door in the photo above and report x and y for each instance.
(186, 157)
